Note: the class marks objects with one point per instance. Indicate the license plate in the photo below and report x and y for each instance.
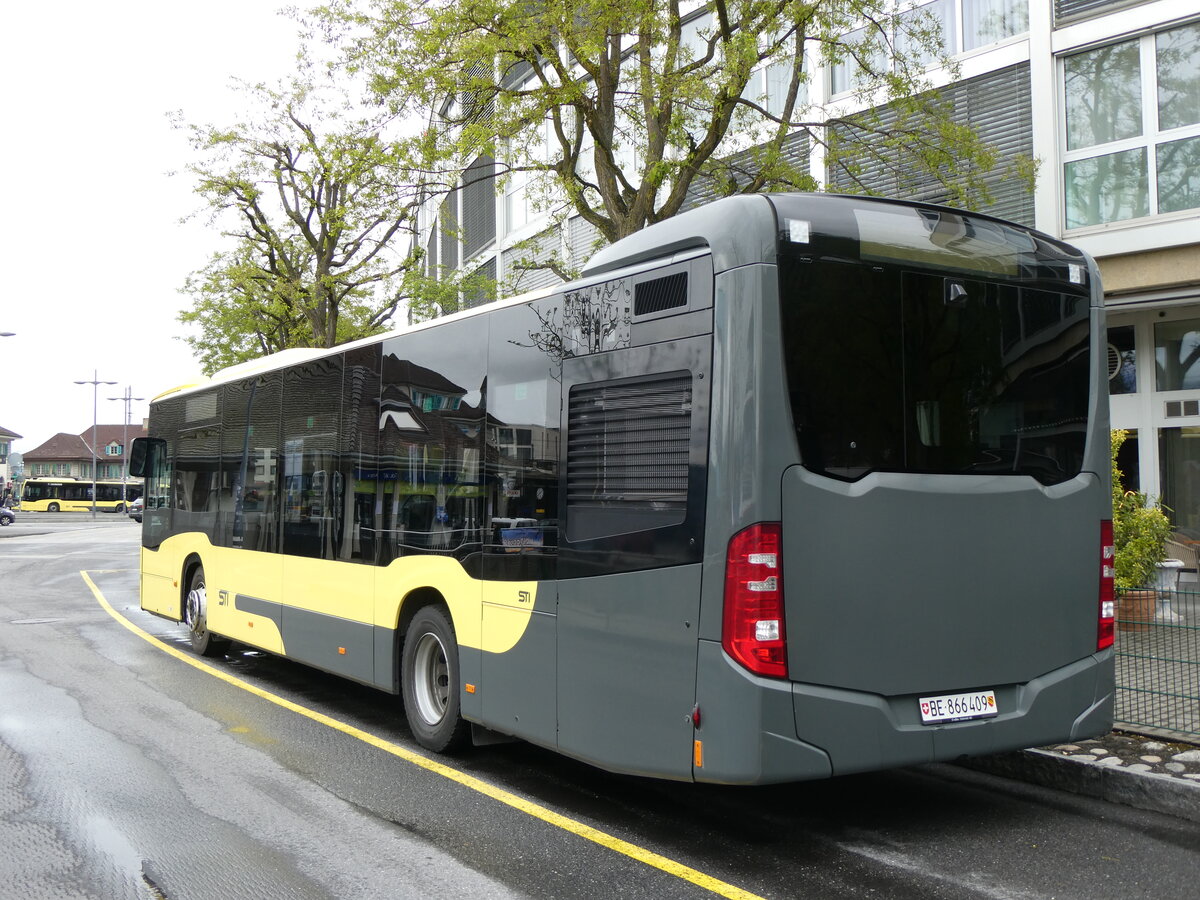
(956, 707)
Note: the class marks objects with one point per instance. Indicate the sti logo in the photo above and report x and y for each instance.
(524, 597)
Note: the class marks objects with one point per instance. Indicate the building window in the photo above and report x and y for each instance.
(516, 443)
(768, 87)
(988, 21)
(1132, 128)
(848, 74)
(962, 25)
(1122, 361)
(114, 449)
(1177, 355)
(517, 209)
(938, 17)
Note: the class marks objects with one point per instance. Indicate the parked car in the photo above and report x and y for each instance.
(7, 516)
(135, 510)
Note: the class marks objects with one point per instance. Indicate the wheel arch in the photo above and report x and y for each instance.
(412, 603)
(190, 564)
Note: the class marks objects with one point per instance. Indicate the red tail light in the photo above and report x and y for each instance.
(1104, 634)
(752, 630)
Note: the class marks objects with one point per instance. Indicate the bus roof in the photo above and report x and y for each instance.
(736, 231)
(295, 355)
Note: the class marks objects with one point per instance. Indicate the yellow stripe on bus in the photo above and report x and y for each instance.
(615, 844)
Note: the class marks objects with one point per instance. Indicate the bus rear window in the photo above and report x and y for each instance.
(893, 369)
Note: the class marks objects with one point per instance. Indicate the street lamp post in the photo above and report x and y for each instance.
(128, 399)
(95, 383)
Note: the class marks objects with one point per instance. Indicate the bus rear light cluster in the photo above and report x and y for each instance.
(1107, 618)
(752, 631)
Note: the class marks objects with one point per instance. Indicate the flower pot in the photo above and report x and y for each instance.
(1135, 610)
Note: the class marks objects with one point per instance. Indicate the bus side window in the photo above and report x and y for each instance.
(250, 464)
(431, 419)
(355, 483)
(312, 412)
(196, 479)
(524, 389)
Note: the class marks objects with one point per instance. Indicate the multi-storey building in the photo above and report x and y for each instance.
(71, 456)
(1105, 95)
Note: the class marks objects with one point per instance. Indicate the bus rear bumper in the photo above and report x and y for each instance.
(760, 731)
(862, 731)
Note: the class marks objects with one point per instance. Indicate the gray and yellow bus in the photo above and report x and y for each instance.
(785, 487)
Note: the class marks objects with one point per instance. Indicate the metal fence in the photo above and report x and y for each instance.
(1158, 662)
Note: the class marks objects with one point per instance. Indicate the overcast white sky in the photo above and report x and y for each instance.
(90, 236)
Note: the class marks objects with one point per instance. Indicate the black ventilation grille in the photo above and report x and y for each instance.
(628, 444)
(659, 294)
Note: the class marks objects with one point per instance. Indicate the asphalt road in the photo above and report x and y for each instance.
(127, 772)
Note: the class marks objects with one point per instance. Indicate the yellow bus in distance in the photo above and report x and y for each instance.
(74, 495)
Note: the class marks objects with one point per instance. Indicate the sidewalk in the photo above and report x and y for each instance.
(1134, 770)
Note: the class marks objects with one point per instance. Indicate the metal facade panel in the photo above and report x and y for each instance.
(582, 236)
(796, 150)
(481, 296)
(479, 205)
(448, 228)
(998, 106)
(1074, 9)
(540, 249)
(431, 253)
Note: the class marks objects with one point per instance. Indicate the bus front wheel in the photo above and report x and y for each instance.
(429, 681)
(51, 507)
(195, 616)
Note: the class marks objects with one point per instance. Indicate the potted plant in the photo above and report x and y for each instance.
(1140, 532)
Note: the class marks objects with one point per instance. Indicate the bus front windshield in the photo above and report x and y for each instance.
(955, 349)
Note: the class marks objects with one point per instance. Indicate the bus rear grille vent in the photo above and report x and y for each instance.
(659, 294)
(1178, 408)
(628, 444)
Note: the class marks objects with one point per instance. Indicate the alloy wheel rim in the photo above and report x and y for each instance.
(431, 679)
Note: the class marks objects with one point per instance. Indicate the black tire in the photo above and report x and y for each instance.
(120, 507)
(51, 507)
(195, 616)
(5, 520)
(429, 682)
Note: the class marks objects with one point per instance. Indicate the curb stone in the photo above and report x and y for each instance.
(1094, 778)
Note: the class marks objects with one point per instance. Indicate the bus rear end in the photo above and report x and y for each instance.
(921, 575)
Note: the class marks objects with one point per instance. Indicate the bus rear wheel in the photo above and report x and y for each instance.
(195, 616)
(51, 507)
(429, 681)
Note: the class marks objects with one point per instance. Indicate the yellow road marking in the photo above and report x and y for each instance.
(615, 844)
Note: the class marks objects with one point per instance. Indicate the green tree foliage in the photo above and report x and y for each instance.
(236, 312)
(317, 204)
(615, 111)
(1140, 530)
